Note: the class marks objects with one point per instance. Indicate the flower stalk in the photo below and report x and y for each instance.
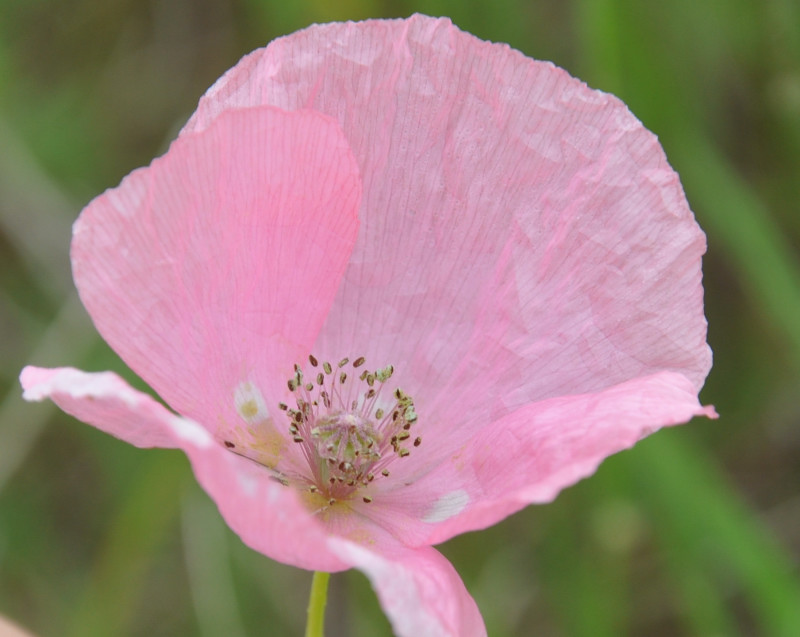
(315, 624)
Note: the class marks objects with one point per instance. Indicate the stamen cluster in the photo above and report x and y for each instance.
(347, 437)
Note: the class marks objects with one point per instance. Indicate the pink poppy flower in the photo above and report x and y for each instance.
(399, 283)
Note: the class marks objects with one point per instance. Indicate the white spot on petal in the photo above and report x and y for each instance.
(447, 506)
(250, 404)
(190, 431)
(248, 484)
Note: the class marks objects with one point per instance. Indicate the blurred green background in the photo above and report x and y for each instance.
(694, 532)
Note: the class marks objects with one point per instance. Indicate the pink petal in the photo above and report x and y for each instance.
(105, 400)
(7, 629)
(266, 515)
(522, 236)
(419, 590)
(216, 265)
(533, 453)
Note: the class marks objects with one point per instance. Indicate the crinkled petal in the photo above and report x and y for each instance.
(533, 453)
(267, 516)
(522, 236)
(211, 271)
(419, 590)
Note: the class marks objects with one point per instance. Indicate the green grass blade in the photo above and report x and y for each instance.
(145, 517)
(694, 506)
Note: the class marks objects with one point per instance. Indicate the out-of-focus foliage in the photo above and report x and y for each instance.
(694, 532)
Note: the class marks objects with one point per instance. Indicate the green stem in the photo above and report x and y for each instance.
(316, 605)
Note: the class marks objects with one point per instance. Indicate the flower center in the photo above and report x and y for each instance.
(348, 431)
